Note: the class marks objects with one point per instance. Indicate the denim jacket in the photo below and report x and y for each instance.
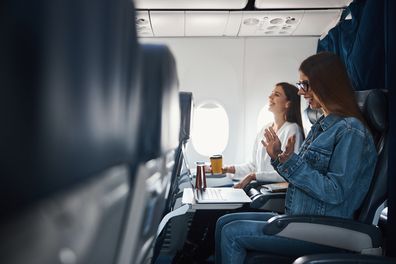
(332, 172)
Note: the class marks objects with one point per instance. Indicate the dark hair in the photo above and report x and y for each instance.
(329, 80)
(293, 113)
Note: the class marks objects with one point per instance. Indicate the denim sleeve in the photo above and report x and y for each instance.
(351, 151)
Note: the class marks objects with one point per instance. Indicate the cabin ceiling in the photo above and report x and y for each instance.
(236, 18)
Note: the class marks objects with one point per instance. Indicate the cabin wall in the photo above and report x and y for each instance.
(239, 74)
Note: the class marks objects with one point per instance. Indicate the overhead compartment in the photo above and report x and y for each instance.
(190, 4)
(215, 23)
(167, 23)
(206, 23)
(177, 23)
(300, 4)
(193, 23)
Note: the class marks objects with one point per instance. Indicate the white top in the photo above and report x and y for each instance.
(261, 161)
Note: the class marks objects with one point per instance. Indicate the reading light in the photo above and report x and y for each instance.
(276, 21)
(251, 21)
(291, 20)
(272, 27)
(141, 21)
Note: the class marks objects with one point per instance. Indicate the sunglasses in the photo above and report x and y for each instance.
(304, 85)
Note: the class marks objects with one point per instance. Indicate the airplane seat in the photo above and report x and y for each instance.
(377, 124)
(361, 235)
(186, 113)
(159, 132)
(313, 114)
(69, 131)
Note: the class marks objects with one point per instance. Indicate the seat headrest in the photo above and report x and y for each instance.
(374, 106)
(160, 102)
(66, 86)
(186, 113)
(372, 103)
(313, 114)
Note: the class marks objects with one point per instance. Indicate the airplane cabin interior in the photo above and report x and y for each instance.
(113, 110)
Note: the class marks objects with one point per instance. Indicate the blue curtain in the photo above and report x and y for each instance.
(390, 81)
(360, 43)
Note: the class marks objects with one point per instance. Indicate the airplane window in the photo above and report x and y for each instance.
(264, 117)
(210, 129)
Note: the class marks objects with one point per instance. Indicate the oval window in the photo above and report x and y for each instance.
(210, 129)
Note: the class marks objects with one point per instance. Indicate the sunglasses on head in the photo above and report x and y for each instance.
(304, 85)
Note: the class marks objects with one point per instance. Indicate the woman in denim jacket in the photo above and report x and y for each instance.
(330, 175)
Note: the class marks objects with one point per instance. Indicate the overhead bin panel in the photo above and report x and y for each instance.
(190, 4)
(191, 23)
(206, 23)
(302, 4)
(318, 22)
(167, 23)
(143, 25)
(234, 24)
(274, 23)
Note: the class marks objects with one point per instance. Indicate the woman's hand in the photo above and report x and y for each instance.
(245, 181)
(229, 169)
(272, 143)
(291, 141)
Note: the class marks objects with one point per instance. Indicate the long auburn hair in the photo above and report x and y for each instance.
(293, 113)
(329, 80)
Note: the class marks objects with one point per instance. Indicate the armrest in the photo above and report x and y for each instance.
(330, 231)
(342, 259)
(255, 184)
(269, 196)
(267, 201)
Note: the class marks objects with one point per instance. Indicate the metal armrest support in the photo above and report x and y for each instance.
(330, 231)
(343, 259)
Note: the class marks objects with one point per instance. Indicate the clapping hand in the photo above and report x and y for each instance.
(291, 141)
(271, 143)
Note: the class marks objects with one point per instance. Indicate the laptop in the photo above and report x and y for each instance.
(215, 195)
(220, 195)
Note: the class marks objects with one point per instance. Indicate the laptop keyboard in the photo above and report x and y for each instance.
(210, 194)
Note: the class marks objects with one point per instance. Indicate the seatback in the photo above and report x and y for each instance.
(374, 106)
(186, 112)
(159, 131)
(69, 128)
(313, 114)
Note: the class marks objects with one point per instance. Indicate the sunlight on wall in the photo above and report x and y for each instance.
(264, 117)
(211, 129)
